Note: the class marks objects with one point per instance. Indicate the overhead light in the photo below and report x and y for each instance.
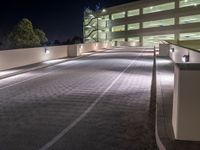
(195, 4)
(186, 58)
(151, 7)
(172, 50)
(103, 10)
(46, 51)
(89, 26)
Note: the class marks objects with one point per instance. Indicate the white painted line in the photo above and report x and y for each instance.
(84, 114)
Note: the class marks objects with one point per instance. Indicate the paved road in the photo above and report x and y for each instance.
(99, 102)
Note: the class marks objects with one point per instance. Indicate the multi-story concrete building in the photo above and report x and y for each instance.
(145, 21)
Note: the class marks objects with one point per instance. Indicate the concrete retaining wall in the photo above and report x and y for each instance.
(21, 57)
(179, 52)
(185, 114)
(78, 49)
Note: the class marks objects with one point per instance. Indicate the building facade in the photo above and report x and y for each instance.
(145, 21)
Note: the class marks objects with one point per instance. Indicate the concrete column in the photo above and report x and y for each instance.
(164, 50)
(141, 26)
(73, 51)
(126, 14)
(186, 102)
(176, 20)
(141, 40)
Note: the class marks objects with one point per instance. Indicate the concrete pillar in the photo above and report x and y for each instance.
(176, 20)
(74, 51)
(164, 50)
(186, 102)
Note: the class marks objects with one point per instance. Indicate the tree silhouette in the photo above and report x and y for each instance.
(41, 35)
(24, 35)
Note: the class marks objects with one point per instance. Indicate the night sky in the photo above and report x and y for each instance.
(59, 19)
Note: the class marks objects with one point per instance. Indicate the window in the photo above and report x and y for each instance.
(133, 26)
(102, 23)
(158, 8)
(189, 36)
(118, 28)
(159, 23)
(118, 15)
(189, 19)
(186, 3)
(107, 30)
(119, 39)
(155, 39)
(106, 17)
(133, 39)
(135, 12)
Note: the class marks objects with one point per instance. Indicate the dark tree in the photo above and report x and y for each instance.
(76, 40)
(41, 35)
(23, 35)
(68, 42)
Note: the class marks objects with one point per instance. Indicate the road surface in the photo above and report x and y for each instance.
(98, 102)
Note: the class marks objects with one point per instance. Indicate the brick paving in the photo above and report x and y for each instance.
(32, 113)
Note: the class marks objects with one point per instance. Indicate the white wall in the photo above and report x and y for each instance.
(186, 112)
(179, 52)
(79, 49)
(21, 57)
(185, 115)
(164, 50)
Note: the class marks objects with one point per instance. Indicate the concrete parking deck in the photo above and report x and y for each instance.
(98, 102)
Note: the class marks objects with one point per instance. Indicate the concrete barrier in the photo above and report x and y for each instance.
(177, 54)
(164, 50)
(22, 57)
(79, 49)
(185, 114)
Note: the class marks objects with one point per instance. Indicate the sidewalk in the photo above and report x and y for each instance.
(164, 131)
(27, 68)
